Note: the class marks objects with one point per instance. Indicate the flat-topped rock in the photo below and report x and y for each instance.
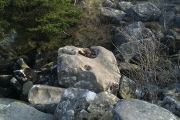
(21, 111)
(44, 94)
(96, 70)
(133, 109)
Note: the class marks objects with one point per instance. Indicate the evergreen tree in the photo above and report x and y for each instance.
(38, 19)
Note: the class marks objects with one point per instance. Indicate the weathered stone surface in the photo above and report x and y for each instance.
(123, 5)
(174, 1)
(132, 50)
(108, 3)
(26, 74)
(16, 84)
(137, 31)
(167, 18)
(172, 104)
(132, 32)
(170, 32)
(127, 68)
(6, 101)
(144, 12)
(46, 108)
(97, 74)
(171, 99)
(128, 50)
(112, 15)
(177, 21)
(43, 94)
(127, 88)
(80, 104)
(25, 90)
(133, 109)
(21, 111)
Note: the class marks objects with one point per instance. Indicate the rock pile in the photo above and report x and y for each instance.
(88, 83)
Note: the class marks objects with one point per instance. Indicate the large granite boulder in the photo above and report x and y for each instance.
(127, 88)
(46, 108)
(94, 69)
(123, 5)
(43, 94)
(82, 104)
(6, 101)
(171, 98)
(21, 111)
(134, 31)
(133, 109)
(144, 12)
(167, 18)
(112, 15)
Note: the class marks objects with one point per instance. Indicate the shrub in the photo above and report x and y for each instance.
(38, 19)
(155, 68)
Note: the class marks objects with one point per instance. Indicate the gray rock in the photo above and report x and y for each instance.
(170, 32)
(43, 94)
(21, 111)
(177, 21)
(167, 18)
(16, 84)
(123, 5)
(46, 108)
(171, 100)
(128, 68)
(26, 74)
(127, 88)
(135, 30)
(172, 104)
(97, 74)
(133, 109)
(6, 101)
(144, 12)
(173, 1)
(112, 15)
(128, 50)
(132, 50)
(132, 32)
(80, 104)
(108, 3)
(126, 40)
(25, 90)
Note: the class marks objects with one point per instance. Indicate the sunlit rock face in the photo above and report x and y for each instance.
(144, 12)
(94, 69)
(21, 111)
(133, 109)
(44, 94)
(82, 104)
